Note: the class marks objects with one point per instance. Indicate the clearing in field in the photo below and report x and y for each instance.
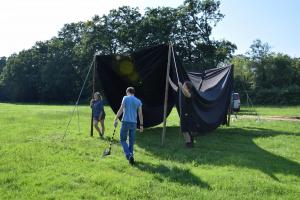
(248, 160)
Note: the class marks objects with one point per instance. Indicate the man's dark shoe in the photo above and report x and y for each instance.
(192, 139)
(131, 160)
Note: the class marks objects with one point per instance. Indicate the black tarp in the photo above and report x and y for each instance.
(146, 71)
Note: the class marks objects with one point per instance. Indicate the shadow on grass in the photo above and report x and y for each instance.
(108, 139)
(173, 174)
(223, 147)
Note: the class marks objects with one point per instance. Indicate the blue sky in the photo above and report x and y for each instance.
(277, 22)
(274, 21)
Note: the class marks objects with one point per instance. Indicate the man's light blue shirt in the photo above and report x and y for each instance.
(131, 105)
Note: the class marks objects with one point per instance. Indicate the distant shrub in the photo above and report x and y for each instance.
(273, 96)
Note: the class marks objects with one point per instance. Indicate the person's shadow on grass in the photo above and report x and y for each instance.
(172, 173)
(223, 147)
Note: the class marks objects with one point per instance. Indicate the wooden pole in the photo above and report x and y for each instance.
(230, 102)
(92, 128)
(166, 96)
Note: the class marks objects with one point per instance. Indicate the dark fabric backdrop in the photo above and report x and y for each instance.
(146, 71)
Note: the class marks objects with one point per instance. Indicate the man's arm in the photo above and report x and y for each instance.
(141, 119)
(119, 113)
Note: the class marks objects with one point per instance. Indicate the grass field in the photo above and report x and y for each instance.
(287, 111)
(248, 160)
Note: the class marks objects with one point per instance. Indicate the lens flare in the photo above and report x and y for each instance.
(126, 67)
(133, 77)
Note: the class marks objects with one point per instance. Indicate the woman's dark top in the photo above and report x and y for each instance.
(97, 107)
(188, 122)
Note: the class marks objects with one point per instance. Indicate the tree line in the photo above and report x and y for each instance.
(54, 70)
(267, 77)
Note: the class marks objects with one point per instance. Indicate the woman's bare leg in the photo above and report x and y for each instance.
(95, 123)
(102, 126)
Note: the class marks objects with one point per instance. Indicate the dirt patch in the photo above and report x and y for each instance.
(275, 117)
(285, 117)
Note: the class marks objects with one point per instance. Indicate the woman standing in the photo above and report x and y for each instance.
(98, 113)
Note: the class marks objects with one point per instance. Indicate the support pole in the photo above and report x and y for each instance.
(230, 100)
(94, 70)
(166, 96)
(76, 104)
(229, 111)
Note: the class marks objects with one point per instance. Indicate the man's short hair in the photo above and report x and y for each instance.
(130, 90)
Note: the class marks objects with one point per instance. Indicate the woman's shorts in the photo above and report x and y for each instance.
(96, 118)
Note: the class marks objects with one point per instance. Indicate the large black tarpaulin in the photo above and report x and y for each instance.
(146, 71)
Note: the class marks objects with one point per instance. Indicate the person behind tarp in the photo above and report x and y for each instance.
(98, 113)
(130, 106)
(186, 110)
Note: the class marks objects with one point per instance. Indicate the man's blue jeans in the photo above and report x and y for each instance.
(127, 128)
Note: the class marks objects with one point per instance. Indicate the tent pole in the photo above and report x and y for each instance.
(230, 100)
(166, 96)
(229, 112)
(94, 67)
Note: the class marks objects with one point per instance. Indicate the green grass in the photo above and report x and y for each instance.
(248, 160)
(288, 111)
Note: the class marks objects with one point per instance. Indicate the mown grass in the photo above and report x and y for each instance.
(287, 111)
(248, 160)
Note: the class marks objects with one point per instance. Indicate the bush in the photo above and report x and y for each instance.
(277, 96)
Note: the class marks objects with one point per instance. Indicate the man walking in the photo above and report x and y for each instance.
(130, 107)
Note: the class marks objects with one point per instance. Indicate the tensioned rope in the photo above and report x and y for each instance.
(76, 104)
(178, 81)
(251, 104)
(175, 65)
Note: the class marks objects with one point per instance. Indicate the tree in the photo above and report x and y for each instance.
(117, 32)
(158, 26)
(258, 50)
(20, 77)
(243, 75)
(2, 63)
(195, 22)
(54, 70)
(258, 55)
(296, 69)
(59, 79)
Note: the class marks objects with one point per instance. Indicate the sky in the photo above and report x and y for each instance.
(276, 22)
(24, 22)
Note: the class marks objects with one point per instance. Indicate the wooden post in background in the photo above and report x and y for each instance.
(229, 111)
(166, 96)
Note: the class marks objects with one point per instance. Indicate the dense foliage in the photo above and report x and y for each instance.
(53, 70)
(268, 78)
